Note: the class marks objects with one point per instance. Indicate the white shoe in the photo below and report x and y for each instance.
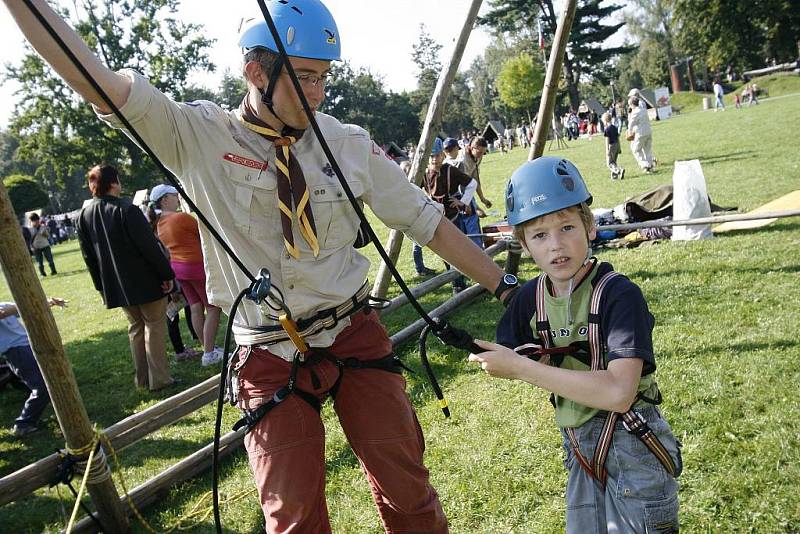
(211, 358)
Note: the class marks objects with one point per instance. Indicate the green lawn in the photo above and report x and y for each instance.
(778, 84)
(727, 348)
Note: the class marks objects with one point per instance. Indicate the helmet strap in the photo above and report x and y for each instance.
(266, 94)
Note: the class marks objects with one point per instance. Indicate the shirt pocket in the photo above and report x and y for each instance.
(335, 218)
(255, 199)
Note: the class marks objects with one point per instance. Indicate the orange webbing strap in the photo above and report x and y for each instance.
(291, 330)
(633, 422)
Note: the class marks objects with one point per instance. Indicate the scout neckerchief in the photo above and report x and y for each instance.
(292, 189)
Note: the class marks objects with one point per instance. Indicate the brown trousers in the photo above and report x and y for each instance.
(147, 334)
(287, 447)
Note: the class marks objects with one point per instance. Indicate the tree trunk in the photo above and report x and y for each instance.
(557, 52)
(45, 341)
(432, 124)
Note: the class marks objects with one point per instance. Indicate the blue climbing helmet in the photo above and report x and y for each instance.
(542, 186)
(437, 147)
(306, 27)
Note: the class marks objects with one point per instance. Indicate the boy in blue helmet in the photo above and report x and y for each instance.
(587, 334)
(267, 185)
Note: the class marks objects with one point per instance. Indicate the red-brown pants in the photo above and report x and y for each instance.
(286, 448)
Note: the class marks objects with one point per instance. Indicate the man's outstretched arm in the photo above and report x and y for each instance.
(115, 85)
(456, 249)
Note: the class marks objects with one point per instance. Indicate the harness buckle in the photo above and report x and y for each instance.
(639, 427)
(280, 395)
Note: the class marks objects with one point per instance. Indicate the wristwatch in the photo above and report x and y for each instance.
(508, 281)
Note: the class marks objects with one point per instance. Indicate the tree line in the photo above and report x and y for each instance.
(53, 137)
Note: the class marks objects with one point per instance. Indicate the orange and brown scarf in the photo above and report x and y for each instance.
(293, 195)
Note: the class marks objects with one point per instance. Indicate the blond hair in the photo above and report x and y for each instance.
(583, 212)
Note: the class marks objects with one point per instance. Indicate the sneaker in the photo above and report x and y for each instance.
(22, 431)
(426, 271)
(211, 358)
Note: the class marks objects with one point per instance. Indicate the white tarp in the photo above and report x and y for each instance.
(690, 201)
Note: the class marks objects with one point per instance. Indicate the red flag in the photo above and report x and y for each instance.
(541, 36)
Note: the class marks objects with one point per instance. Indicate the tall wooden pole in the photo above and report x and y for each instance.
(46, 344)
(547, 104)
(433, 121)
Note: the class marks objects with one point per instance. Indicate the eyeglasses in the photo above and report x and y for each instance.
(312, 80)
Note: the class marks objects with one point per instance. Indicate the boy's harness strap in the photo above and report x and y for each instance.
(632, 421)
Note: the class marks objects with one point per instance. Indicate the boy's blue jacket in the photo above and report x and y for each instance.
(625, 320)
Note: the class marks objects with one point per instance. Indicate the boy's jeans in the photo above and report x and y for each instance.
(640, 496)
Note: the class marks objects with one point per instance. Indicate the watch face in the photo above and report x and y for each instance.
(510, 279)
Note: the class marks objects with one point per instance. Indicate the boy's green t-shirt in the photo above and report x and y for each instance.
(564, 333)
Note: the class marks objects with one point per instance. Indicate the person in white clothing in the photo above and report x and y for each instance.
(640, 135)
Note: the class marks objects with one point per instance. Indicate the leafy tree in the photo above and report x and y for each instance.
(9, 163)
(358, 97)
(58, 130)
(25, 193)
(652, 24)
(520, 82)
(485, 99)
(425, 54)
(738, 33)
(231, 91)
(586, 55)
(591, 58)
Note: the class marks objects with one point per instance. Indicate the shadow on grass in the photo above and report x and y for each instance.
(643, 274)
(731, 156)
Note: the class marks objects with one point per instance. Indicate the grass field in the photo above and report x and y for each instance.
(778, 84)
(726, 341)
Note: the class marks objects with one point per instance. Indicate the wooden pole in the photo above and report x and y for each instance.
(547, 104)
(46, 344)
(704, 220)
(433, 120)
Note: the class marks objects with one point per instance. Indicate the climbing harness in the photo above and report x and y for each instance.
(261, 290)
(632, 421)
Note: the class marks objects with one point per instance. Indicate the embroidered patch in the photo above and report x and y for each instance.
(246, 162)
(328, 170)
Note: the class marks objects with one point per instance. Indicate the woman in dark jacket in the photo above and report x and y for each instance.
(129, 270)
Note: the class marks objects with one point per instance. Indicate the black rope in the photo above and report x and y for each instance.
(220, 401)
(335, 166)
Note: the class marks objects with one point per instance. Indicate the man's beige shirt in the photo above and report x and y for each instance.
(229, 172)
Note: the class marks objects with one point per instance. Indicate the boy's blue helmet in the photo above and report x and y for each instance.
(437, 146)
(544, 185)
(306, 27)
